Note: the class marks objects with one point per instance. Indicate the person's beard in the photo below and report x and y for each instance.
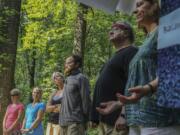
(67, 71)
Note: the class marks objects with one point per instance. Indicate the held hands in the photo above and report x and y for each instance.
(137, 93)
(120, 123)
(6, 131)
(24, 131)
(92, 124)
(56, 108)
(108, 107)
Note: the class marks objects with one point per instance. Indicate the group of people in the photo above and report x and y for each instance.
(33, 116)
(125, 97)
(68, 107)
(130, 106)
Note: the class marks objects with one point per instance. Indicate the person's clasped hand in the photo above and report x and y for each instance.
(108, 107)
(136, 94)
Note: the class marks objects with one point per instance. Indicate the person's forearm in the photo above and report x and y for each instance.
(35, 124)
(14, 125)
(4, 125)
(37, 120)
(151, 87)
(16, 122)
(118, 105)
(4, 121)
(154, 83)
(50, 108)
(23, 124)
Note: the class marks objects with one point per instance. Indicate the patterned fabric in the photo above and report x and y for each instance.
(142, 70)
(169, 77)
(168, 6)
(169, 64)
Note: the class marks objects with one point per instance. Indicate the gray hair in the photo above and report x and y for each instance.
(58, 74)
(15, 91)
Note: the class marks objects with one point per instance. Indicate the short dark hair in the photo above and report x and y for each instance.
(128, 28)
(77, 59)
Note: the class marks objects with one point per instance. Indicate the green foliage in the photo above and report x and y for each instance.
(93, 131)
(47, 35)
(5, 14)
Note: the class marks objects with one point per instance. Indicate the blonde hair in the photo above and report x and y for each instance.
(58, 74)
(38, 89)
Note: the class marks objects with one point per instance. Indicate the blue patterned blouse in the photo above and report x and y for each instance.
(142, 70)
(169, 63)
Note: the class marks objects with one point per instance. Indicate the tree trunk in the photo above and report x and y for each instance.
(31, 64)
(80, 31)
(9, 27)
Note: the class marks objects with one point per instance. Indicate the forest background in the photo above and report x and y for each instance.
(37, 35)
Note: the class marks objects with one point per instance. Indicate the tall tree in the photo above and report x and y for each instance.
(9, 26)
(31, 64)
(80, 31)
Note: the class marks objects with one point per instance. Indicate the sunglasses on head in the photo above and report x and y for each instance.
(120, 26)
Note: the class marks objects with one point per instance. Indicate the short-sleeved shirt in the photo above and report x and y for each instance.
(31, 114)
(142, 70)
(12, 114)
(112, 80)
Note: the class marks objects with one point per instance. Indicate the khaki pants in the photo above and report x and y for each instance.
(73, 129)
(52, 129)
(105, 129)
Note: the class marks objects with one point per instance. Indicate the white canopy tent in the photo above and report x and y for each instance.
(110, 6)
